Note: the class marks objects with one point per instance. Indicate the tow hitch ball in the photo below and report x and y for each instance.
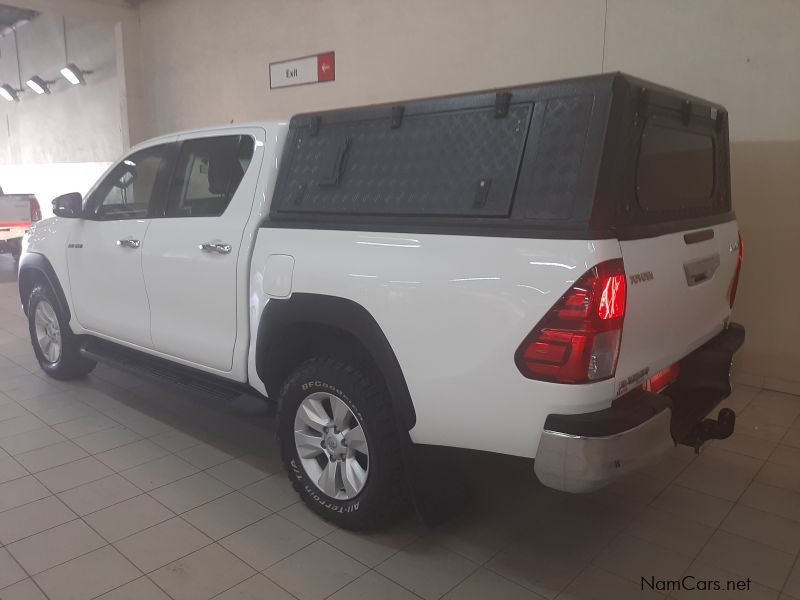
(711, 429)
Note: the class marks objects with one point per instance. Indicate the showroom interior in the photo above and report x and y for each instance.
(118, 486)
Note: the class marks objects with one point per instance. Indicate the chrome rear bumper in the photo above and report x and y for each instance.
(574, 463)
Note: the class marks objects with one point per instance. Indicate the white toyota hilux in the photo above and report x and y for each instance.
(546, 271)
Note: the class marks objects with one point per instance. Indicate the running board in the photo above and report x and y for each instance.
(162, 370)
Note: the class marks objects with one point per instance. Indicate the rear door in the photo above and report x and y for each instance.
(680, 267)
(194, 258)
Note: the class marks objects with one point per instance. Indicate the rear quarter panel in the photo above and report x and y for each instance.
(454, 309)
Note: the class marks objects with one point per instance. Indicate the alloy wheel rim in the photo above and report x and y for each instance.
(48, 331)
(331, 445)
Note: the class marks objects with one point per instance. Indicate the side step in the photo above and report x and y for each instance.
(162, 370)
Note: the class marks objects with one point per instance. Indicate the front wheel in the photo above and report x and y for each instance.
(340, 444)
(55, 346)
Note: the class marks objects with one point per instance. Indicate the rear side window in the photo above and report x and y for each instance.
(207, 174)
(675, 169)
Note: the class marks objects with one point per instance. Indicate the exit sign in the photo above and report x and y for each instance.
(300, 71)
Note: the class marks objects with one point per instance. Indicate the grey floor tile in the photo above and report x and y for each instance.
(107, 439)
(190, 492)
(426, 569)
(202, 574)
(74, 474)
(267, 541)
(225, 515)
(21, 491)
(138, 589)
(31, 440)
(10, 571)
(50, 456)
(161, 544)
(331, 568)
(631, 557)
(32, 518)
(91, 497)
(23, 590)
(131, 455)
(126, 518)
(204, 456)
(87, 576)
(49, 548)
(259, 587)
(747, 558)
(275, 492)
(158, 472)
(239, 473)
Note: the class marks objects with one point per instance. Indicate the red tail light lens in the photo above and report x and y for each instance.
(36, 211)
(577, 341)
(735, 282)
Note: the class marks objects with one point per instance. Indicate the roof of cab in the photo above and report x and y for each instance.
(264, 124)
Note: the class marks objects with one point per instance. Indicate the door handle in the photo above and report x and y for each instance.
(129, 243)
(701, 270)
(217, 247)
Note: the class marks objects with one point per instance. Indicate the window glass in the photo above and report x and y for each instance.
(208, 172)
(127, 191)
(676, 169)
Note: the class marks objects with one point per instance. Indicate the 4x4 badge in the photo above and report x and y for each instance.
(74, 245)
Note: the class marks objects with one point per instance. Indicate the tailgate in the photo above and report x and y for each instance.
(15, 210)
(678, 297)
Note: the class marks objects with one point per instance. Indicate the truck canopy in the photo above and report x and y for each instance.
(589, 158)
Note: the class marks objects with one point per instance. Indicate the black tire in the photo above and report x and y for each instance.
(16, 249)
(69, 364)
(384, 497)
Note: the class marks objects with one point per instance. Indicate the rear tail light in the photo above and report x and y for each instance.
(36, 211)
(735, 282)
(577, 341)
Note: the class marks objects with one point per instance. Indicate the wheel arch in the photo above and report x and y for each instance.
(33, 268)
(291, 329)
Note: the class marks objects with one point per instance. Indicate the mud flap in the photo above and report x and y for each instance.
(436, 482)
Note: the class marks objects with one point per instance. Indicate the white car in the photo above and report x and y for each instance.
(546, 272)
(17, 213)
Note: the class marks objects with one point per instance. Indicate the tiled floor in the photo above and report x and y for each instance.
(119, 488)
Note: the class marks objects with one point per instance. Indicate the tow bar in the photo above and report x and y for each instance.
(711, 429)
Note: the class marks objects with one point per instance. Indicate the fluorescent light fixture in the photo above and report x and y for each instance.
(39, 85)
(74, 75)
(9, 93)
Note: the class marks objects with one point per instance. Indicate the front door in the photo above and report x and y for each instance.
(104, 252)
(191, 260)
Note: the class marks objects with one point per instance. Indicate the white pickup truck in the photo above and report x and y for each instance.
(546, 271)
(17, 213)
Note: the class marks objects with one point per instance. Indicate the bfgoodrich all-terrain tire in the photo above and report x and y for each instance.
(340, 444)
(54, 344)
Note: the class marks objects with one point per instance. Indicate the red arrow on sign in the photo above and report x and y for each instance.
(326, 67)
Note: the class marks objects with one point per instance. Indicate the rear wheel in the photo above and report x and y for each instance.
(340, 444)
(55, 346)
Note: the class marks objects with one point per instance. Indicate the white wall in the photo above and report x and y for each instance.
(41, 137)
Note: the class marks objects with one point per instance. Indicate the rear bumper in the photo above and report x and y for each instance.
(584, 452)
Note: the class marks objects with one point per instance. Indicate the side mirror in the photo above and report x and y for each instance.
(68, 206)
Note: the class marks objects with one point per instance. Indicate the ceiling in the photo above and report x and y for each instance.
(11, 15)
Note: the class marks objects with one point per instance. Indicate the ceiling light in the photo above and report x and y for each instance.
(39, 85)
(74, 75)
(9, 93)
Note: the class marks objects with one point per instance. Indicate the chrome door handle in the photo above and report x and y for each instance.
(217, 247)
(129, 243)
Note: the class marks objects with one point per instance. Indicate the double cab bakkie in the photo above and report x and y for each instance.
(545, 271)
